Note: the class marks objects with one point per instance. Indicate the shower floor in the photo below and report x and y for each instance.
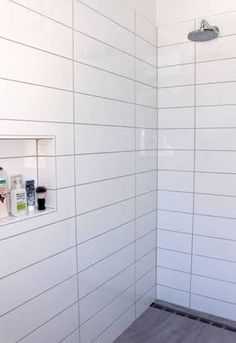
(158, 326)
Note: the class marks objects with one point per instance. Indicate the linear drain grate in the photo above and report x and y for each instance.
(215, 323)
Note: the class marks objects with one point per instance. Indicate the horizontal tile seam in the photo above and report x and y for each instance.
(50, 319)
(38, 295)
(76, 92)
(173, 288)
(196, 63)
(196, 274)
(65, 57)
(196, 193)
(117, 23)
(195, 214)
(187, 42)
(197, 234)
(197, 255)
(195, 84)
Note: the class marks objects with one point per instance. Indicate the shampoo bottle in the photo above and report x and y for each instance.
(18, 197)
(3, 194)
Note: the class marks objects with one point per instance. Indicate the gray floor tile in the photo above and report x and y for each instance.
(157, 326)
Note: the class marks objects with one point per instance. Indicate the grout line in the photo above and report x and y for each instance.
(74, 151)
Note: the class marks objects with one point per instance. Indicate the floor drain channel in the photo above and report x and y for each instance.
(194, 317)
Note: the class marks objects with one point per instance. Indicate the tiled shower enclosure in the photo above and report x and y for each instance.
(136, 129)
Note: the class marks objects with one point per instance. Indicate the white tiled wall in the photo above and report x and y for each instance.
(84, 72)
(196, 178)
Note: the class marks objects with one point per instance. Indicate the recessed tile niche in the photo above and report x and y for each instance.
(34, 157)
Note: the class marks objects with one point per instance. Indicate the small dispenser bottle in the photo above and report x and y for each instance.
(3, 194)
(18, 197)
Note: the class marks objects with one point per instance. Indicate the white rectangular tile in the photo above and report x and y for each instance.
(173, 296)
(146, 139)
(174, 260)
(145, 283)
(145, 73)
(175, 181)
(216, 49)
(145, 51)
(176, 97)
(95, 53)
(175, 201)
(101, 247)
(108, 112)
(118, 327)
(214, 248)
(36, 279)
(146, 160)
(117, 11)
(94, 139)
(216, 139)
(175, 54)
(176, 76)
(216, 71)
(65, 171)
(176, 139)
(174, 33)
(64, 232)
(101, 321)
(145, 29)
(145, 203)
(20, 101)
(56, 9)
(90, 168)
(181, 222)
(216, 269)
(146, 117)
(56, 329)
(145, 244)
(37, 30)
(216, 289)
(174, 241)
(105, 294)
(18, 148)
(175, 118)
(34, 66)
(145, 301)
(101, 272)
(221, 184)
(215, 227)
(98, 222)
(88, 81)
(173, 279)
(215, 205)
(175, 160)
(146, 95)
(216, 161)
(38, 311)
(73, 338)
(216, 116)
(93, 196)
(145, 264)
(216, 94)
(96, 25)
(215, 307)
(145, 224)
(146, 182)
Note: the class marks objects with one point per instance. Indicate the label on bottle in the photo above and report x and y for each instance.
(20, 202)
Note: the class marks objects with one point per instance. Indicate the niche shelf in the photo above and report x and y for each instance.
(35, 158)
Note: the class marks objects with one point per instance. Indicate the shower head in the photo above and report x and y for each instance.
(205, 33)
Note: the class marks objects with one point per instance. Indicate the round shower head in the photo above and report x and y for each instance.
(205, 33)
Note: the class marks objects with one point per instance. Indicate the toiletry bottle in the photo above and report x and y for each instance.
(18, 197)
(30, 192)
(3, 194)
